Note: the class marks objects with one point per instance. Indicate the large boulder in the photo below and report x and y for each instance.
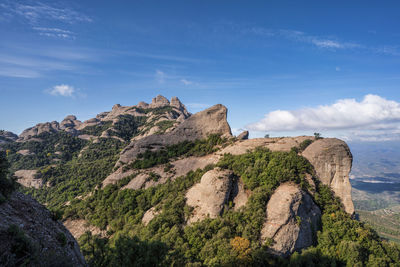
(198, 126)
(46, 239)
(332, 161)
(292, 220)
(210, 195)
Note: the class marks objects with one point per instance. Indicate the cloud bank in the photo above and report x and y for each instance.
(372, 113)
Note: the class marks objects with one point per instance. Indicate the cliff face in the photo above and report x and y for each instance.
(332, 161)
(26, 224)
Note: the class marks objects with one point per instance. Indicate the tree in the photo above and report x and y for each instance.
(317, 136)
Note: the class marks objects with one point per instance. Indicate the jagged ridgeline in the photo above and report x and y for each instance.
(153, 185)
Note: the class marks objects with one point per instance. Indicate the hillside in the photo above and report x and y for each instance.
(152, 184)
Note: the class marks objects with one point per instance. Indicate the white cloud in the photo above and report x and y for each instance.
(186, 82)
(62, 90)
(373, 113)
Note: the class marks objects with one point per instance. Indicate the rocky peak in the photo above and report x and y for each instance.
(38, 129)
(198, 126)
(159, 101)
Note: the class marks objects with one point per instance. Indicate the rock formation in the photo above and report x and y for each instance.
(332, 161)
(38, 129)
(210, 195)
(292, 220)
(243, 136)
(198, 126)
(7, 137)
(216, 188)
(50, 242)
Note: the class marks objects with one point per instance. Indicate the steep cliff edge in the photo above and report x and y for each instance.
(332, 162)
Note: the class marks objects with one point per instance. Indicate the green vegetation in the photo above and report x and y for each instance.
(229, 240)
(7, 183)
(127, 126)
(23, 252)
(198, 148)
(164, 125)
(96, 130)
(78, 176)
(43, 152)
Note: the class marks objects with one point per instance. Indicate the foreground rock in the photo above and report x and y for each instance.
(332, 161)
(292, 220)
(50, 242)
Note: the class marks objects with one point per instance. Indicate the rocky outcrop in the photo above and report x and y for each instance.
(198, 126)
(28, 178)
(216, 188)
(149, 215)
(210, 195)
(70, 124)
(243, 136)
(78, 227)
(36, 130)
(332, 162)
(50, 242)
(292, 220)
(7, 137)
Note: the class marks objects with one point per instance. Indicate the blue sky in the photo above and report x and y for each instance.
(281, 67)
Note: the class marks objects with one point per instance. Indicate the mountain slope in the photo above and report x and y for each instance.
(163, 187)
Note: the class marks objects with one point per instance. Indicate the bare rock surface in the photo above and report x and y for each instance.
(243, 136)
(27, 178)
(198, 126)
(25, 152)
(36, 130)
(149, 215)
(38, 226)
(7, 137)
(78, 227)
(332, 161)
(274, 144)
(292, 220)
(210, 195)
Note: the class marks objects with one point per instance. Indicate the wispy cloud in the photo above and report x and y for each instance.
(318, 41)
(62, 90)
(371, 116)
(186, 82)
(39, 11)
(55, 32)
